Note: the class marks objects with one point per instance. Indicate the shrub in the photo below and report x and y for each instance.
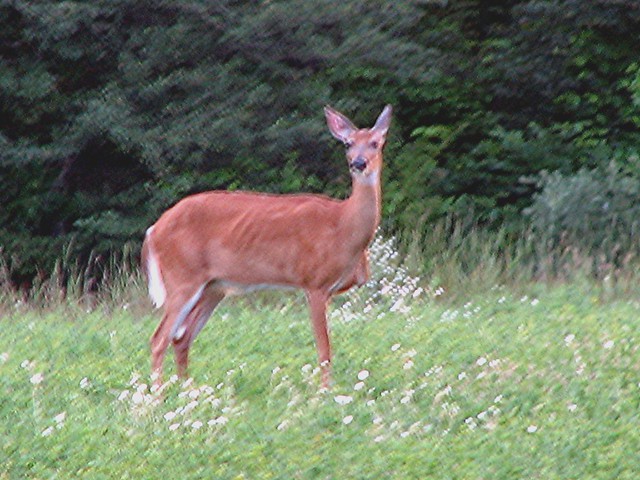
(593, 210)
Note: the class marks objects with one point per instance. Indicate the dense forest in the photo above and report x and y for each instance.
(514, 113)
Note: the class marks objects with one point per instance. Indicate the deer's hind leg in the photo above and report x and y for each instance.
(192, 324)
(162, 335)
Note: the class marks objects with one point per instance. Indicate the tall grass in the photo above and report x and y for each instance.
(105, 282)
(451, 255)
(465, 258)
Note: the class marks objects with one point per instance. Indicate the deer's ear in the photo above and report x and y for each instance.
(384, 120)
(339, 125)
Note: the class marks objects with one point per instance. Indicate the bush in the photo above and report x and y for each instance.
(593, 210)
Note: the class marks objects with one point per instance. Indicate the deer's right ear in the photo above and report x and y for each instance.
(339, 125)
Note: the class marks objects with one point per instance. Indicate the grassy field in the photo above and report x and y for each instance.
(534, 382)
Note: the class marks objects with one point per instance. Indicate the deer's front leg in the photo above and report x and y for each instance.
(318, 301)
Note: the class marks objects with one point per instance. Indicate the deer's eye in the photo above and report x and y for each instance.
(348, 144)
(374, 145)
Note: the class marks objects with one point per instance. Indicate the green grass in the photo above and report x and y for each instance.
(537, 383)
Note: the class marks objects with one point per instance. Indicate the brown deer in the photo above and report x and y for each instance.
(213, 244)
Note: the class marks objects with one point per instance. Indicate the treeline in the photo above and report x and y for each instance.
(112, 110)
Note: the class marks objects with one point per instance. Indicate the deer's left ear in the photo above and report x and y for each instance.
(384, 120)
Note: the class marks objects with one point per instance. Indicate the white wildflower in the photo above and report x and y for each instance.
(347, 420)
(196, 425)
(85, 383)
(395, 347)
(187, 383)
(37, 378)
(397, 305)
(221, 420)
(358, 386)
(190, 406)
(481, 361)
(532, 428)
(608, 345)
(47, 431)
(207, 389)
(60, 417)
(343, 399)
(137, 398)
(169, 416)
(363, 374)
(493, 410)
(134, 378)
(174, 426)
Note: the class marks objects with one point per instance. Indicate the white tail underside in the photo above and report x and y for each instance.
(157, 292)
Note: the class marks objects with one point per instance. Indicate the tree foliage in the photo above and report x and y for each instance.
(110, 111)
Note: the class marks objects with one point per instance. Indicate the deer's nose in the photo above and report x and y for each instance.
(359, 163)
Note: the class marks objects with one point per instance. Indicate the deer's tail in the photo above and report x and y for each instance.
(152, 270)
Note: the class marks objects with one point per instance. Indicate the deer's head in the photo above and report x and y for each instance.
(364, 145)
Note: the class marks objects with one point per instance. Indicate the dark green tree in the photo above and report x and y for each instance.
(112, 110)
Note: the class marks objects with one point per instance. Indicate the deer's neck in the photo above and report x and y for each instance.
(362, 211)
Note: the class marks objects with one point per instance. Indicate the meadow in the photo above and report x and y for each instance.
(431, 380)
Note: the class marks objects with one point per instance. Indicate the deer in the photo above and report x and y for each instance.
(213, 244)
